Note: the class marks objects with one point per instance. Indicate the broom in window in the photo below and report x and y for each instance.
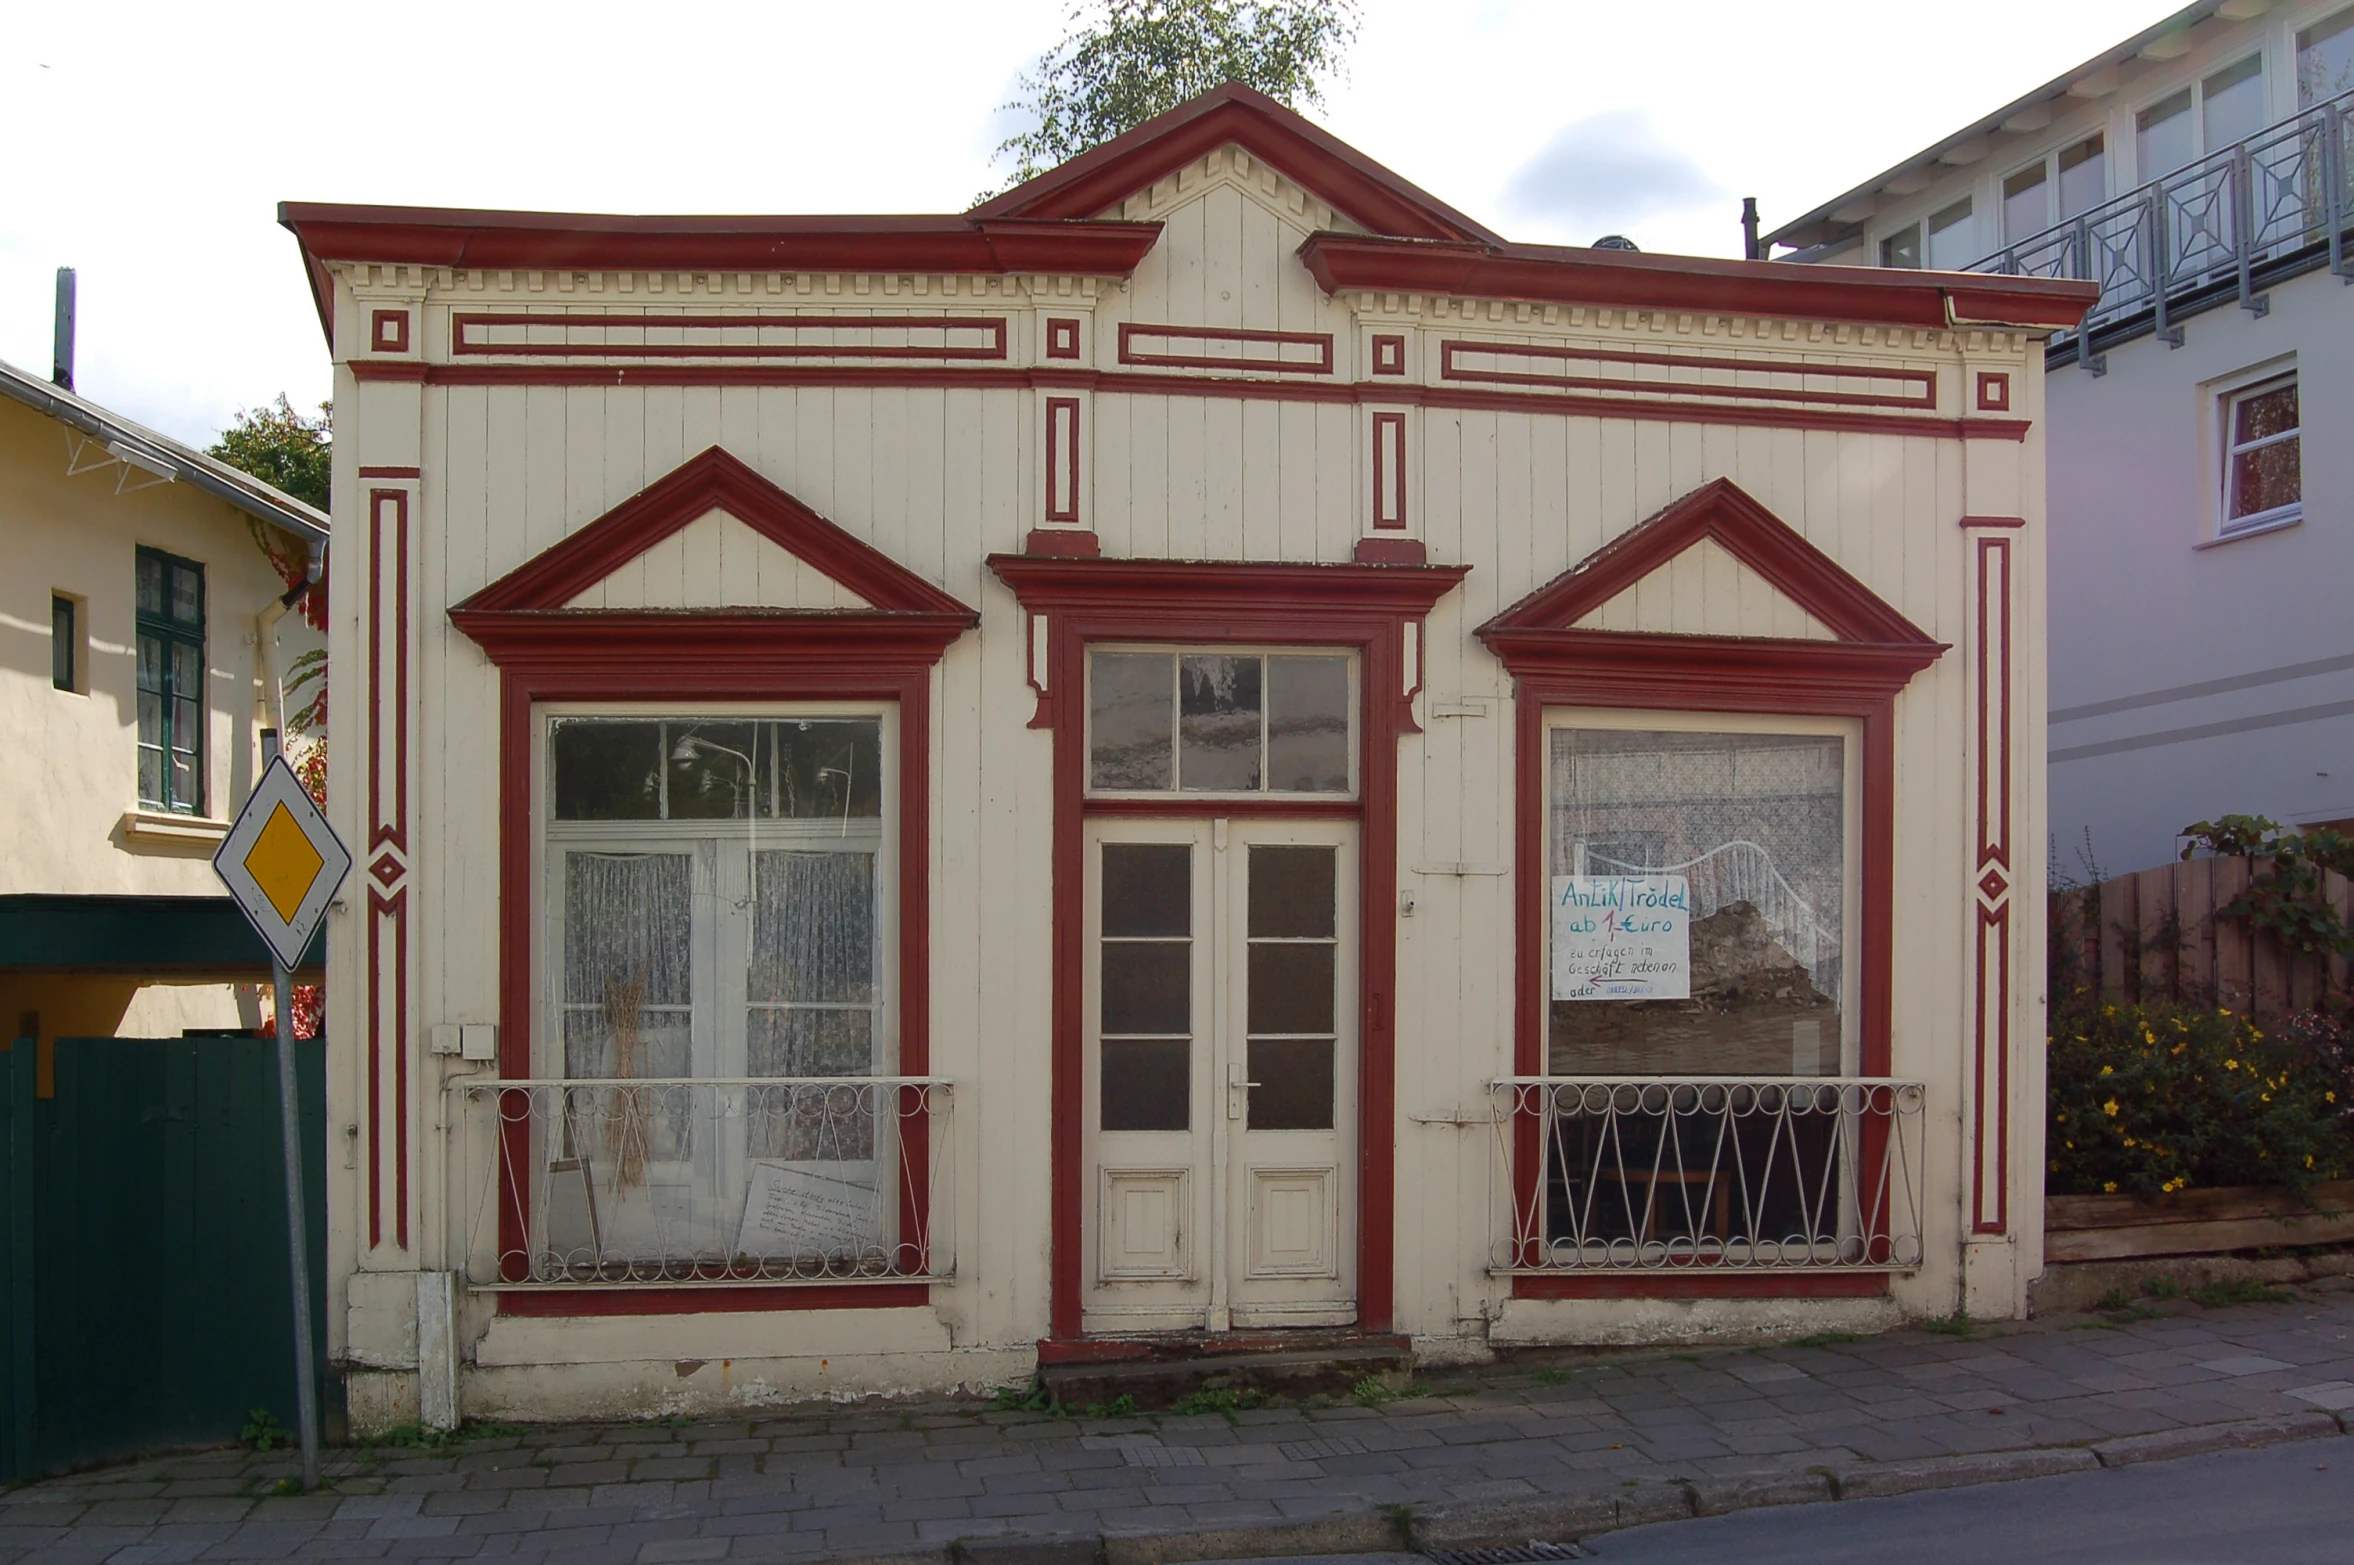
(628, 1133)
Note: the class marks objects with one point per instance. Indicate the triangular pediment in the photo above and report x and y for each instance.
(714, 535)
(1714, 563)
(1325, 171)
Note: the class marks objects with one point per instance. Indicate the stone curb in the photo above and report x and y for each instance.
(1955, 1472)
(2247, 1433)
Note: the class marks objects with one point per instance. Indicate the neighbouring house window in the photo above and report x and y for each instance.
(719, 915)
(2223, 107)
(65, 642)
(171, 682)
(2054, 189)
(1902, 248)
(1953, 238)
(2231, 103)
(1223, 722)
(2325, 59)
(1700, 880)
(2263, 479)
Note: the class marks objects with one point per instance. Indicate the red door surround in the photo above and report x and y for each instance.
(1375, 610)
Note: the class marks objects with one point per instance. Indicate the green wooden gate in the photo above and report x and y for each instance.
(143, 1245)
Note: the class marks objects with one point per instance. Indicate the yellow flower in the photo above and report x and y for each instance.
(2109, 1187)
(2108, 1070)
(2110, 1108)
(2231, 1065)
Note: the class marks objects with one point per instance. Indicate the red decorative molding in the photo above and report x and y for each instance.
(388, 331)
(1858, 676)
(1990, 1095)
(1317, 361)
(1994, 391)
(390, 472)
(470, 336)
(1389, 355)
(587, 1300)
(1338, 173)
(1368, 608)
(1389, 470)
(546, 652)
(1557, 274)
(1751, 1285)
(1062, 459)
(1063, 543)
(388, 816)
(1390, 551)
(1062, 339)
(2014, 522)
(1919, 393)
(959, 378)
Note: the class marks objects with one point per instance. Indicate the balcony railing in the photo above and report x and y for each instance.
(704, 1181)
(2220, 228)
(1708, 1174)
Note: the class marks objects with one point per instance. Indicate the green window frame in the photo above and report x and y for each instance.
(171, 682)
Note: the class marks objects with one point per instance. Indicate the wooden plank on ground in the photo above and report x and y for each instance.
(2224, 1203)
(2251, 1233)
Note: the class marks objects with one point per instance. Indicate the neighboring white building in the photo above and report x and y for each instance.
(945, 793)
(133, 596)
(2202, 658)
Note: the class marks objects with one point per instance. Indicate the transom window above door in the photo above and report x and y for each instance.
(1225, 722)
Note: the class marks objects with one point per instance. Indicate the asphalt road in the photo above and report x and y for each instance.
(2287, 1505)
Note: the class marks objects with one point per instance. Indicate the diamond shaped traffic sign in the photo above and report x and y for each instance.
(282, 863)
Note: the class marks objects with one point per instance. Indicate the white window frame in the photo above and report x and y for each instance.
(1849, 731)
(2228, 397)
(1177, 649)
(722, 943)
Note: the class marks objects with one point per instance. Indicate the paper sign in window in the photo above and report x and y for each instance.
(1622, 937)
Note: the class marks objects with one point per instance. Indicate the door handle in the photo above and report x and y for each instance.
(1238, 1101)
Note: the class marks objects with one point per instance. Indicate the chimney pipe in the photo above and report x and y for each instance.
(62, 358)
(1749, 245)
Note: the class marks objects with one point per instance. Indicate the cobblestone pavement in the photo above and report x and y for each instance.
(1576, 1443)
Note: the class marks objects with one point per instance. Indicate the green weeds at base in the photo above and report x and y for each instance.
(1224, 1400)
(1826, 1339)
(286, 1488)
(1555, 1377)
(1024, 1397)
(417, 1437)
(1121, 1406)
(1958, 1324)
(1373, 1391)
(2238, 1290)
(263, 1432)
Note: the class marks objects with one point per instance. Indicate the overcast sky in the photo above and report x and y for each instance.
(154, 141)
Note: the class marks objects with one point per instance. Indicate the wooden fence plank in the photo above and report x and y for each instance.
(2116, 916)
(2233, 975)
(2160, 933)
(2194, 907)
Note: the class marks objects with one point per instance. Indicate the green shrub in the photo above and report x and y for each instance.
(2151, 1099)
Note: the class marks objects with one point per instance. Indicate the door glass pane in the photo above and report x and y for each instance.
(2325, 59)
(2026, 204)
(1218, 723)
(1147, 1083)
(1129, 695)
(1291, 892)
(2233, 103)
(2084, 177)
(792, 1041)
(1308, 724)
(1147, 889)
(1291, 986)
(626, 975)
(2162, 137)
(1294, 1084)
(1147, 987)
(813, 927)
(605, 770)
(1745, 833)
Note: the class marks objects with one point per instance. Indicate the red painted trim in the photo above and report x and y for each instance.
(1063, 543)
(562, 1302)
(1733, 1285)
(993, 325)
(1923, 398)
(1994, 521)
(1389, 355)
(1990, 1001)
(1389, 470)
(391, 472)
(1191, 806)
(714, 480)
(1062, 338)
(1338, 173)
(1390, 551)
(1552, 274)
(1364, 607)
(1994, 391)
(1721, 510)
(388, 331)
(1062, 459)
(1132, 332)
(388, 900)
(957, 378)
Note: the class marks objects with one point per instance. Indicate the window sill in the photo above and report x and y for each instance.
(2252, 530)
(161, 829)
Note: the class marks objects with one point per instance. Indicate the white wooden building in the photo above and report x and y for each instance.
(1205, 750)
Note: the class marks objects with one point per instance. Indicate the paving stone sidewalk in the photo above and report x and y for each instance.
(1555, 1447)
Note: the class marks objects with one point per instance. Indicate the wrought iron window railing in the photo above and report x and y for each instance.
(2205, 232)
(1708, 1173)
(642, 1181)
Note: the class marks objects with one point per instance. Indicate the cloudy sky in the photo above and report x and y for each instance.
(153, 141)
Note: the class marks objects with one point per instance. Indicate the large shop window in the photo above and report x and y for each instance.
(719, 928)
(1701, 897)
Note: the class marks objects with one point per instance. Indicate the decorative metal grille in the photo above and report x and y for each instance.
(706, 1180)
(1706, 1173)
(2207, 226)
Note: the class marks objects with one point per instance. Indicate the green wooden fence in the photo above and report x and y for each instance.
(143, 1246)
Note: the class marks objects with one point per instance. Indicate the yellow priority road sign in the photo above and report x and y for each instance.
(282, 863)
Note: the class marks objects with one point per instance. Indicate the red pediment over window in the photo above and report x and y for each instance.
(845, 591)
(1853, 640)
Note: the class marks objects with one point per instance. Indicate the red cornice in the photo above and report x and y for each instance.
(1234, 588)
(1710, 673)
(1353, 183)
(1552, 274)
(713, 481)
(1721, 510)
(592, 644)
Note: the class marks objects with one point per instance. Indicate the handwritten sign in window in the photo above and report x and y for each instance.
(792, 1212)
(1622, 937)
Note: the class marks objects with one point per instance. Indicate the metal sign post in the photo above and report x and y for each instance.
(283, 865)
